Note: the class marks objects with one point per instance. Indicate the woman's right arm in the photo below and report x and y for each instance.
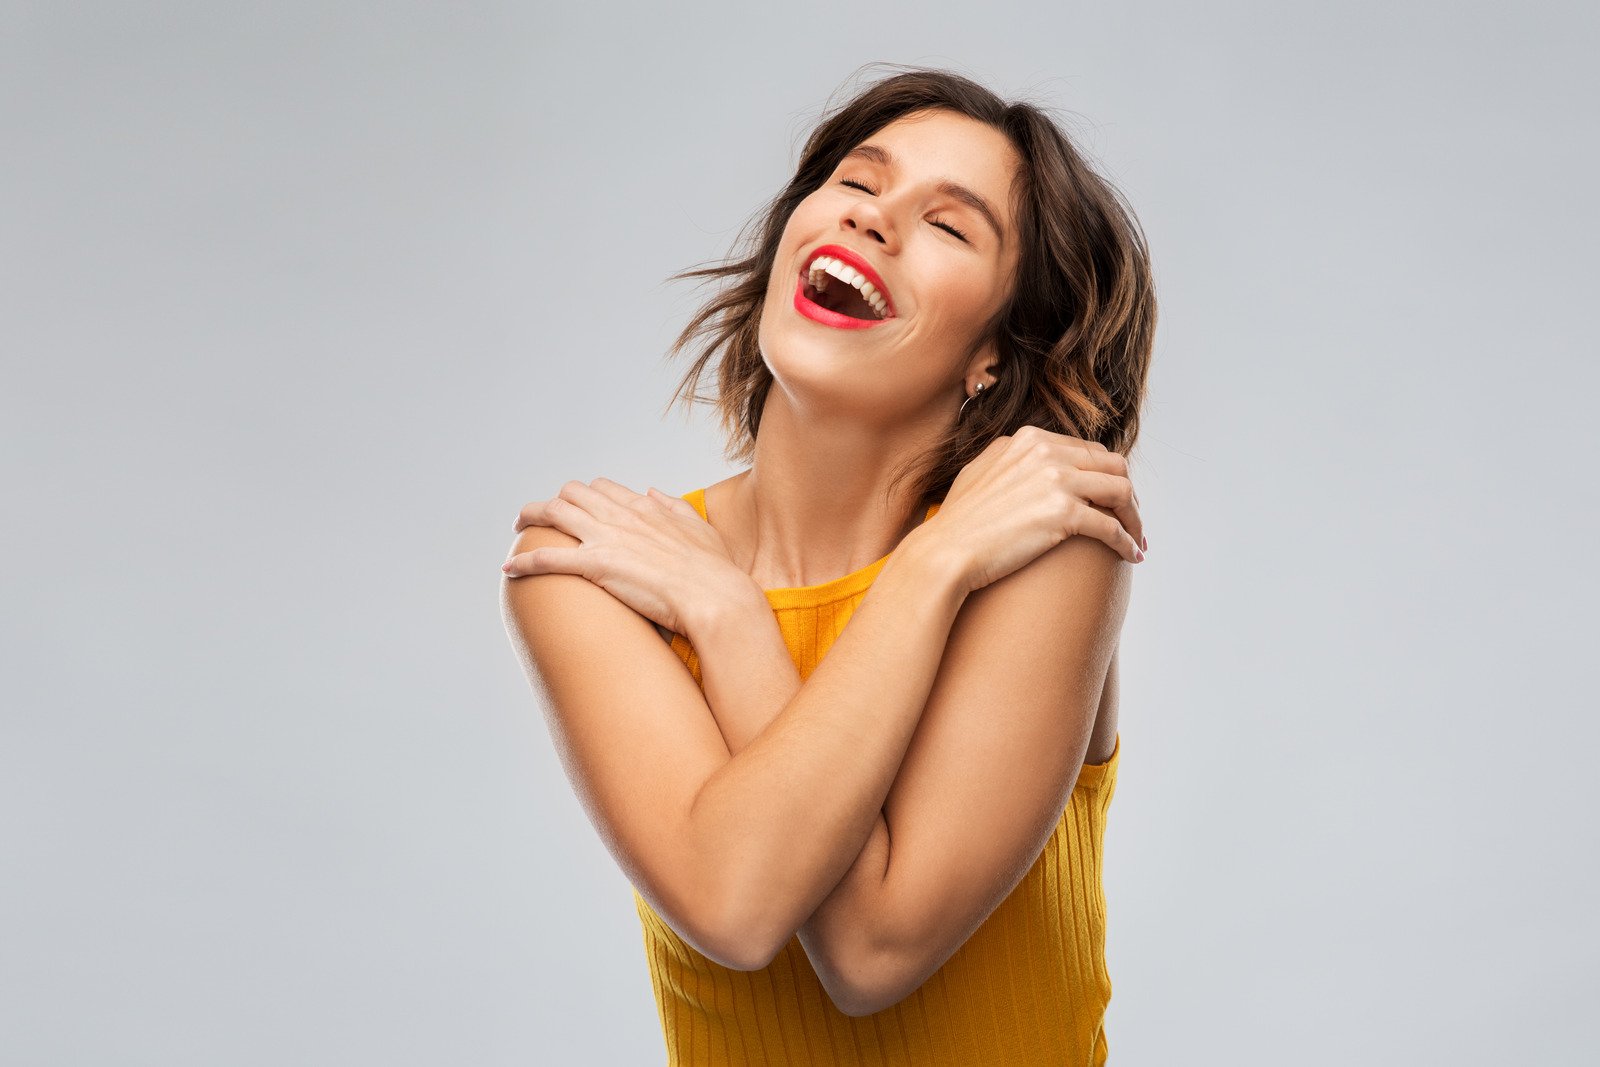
(697, 831)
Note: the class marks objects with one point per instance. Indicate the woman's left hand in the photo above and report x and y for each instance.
(650, 550)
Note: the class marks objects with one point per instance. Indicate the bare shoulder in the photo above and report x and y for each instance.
(1094, 584)
(562, 586)
(1077, 591)
(1072, 599)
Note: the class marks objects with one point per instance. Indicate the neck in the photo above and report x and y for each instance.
(815, 503)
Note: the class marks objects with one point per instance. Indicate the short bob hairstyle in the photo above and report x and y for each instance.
(1074, 340)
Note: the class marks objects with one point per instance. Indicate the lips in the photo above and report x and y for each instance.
(827, 317)
(856, 260)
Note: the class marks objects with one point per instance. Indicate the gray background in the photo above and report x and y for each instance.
(302, 301)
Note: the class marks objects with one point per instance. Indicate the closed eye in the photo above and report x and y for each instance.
(945, 225)
(937, 222)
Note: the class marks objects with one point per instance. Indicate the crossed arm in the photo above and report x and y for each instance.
(883, 809)
(1036, 645)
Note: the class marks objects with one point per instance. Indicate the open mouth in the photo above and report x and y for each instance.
(841, 299)
(825, 307)
(839, 288)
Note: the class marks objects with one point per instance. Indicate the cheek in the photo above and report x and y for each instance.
(788, 250)
(957, 303)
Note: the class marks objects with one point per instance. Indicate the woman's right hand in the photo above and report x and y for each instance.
(1026, 493)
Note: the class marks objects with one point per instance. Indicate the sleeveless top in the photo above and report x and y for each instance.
(1028, 987)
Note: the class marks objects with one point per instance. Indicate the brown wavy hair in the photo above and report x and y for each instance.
(1074, 340)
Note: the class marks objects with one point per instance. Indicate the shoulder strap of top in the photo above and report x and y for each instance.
(697, 497)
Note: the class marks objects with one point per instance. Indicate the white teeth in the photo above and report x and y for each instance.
(824, 267)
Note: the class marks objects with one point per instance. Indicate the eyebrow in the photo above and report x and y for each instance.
(955, 190)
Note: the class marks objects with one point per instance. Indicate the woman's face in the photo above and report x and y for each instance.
(894, 202)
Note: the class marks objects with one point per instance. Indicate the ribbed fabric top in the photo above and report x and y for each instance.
(1028, 987)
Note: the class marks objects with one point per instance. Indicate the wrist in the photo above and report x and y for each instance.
(935, 562)
(730, 602)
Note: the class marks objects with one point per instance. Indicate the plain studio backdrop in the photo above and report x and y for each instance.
(302, 302)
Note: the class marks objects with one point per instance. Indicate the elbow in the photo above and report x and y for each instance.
(860, 980)
(878, 975)
(863, 992)
(725, 944)
(716, 933)
(859, 1005)
(732, 912)
(733, 938)
(875, 998)
(857, 987)
(745, 956)
(737, 950)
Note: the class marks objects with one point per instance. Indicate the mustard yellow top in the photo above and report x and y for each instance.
(1028, 987)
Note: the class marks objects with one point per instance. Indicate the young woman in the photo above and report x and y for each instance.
(877, 842)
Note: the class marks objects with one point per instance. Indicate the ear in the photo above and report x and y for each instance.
(984, 366)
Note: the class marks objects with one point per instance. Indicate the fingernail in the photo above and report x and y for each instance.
(1144, 542)
(1138, 557)
(506, 566)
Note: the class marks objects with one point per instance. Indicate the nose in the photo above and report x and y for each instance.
(865, 216)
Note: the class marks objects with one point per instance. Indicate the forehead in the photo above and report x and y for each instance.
(940, 144)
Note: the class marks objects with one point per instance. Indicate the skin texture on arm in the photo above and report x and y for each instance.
(986, 776)
(796, 805)
(735, 851)
(996, 755)
(748, 677)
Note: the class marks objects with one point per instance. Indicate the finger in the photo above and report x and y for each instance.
(597, 504)
(537, 512)
(529, 515)
(617, 492)
(1096, 456)
(675, 503)
(1114, 494)
(1092, 455)
(1069, 439)
(545, 560)
(561, 514)
(1144, 542)
(1105, 527)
